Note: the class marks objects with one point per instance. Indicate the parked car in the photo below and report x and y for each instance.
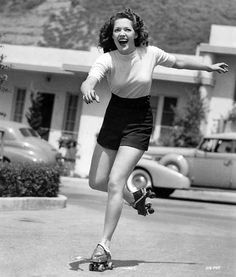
(20, 143)
(210, 165)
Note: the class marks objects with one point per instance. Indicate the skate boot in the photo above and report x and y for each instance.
(100, 260)
(140, 204)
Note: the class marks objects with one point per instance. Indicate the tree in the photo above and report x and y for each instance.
(3, 78)
(20, 6)
(186, 126)
(175, 26)
(34, 115)
(69, 29)
(77, 27)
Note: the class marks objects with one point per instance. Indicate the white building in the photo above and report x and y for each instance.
(58, 74)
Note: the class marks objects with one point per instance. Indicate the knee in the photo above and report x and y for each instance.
(115, 185)
(98, 184)
(92, 184)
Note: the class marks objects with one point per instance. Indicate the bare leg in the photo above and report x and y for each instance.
(126, 159)
(102, 162)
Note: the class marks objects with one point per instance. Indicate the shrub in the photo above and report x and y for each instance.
(34, 114)
(35, 180)
(186, 131)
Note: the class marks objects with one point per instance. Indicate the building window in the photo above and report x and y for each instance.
(168, 115)
(19, 105)
(71, 109)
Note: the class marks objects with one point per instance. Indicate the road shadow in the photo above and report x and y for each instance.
(133, 263)
(75, 264)
(221, 202)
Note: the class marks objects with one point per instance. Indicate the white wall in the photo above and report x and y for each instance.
(223, 35)
(90, 123)
(222, 95)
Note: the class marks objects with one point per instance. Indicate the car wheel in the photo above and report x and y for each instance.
(6, 160)
(163, 192)
(138, 179)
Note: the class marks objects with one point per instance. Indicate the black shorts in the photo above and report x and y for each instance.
(127, 121)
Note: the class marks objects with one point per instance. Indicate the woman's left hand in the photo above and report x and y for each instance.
(220, 67)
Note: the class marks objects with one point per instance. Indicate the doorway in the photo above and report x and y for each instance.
(46, 112)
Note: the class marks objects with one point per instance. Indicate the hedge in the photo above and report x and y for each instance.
(32, 180)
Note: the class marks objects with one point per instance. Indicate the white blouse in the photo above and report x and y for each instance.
(130, 76)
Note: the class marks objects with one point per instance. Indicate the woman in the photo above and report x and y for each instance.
(128, 63)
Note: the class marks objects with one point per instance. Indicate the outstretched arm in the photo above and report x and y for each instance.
(195, 65)
(87, 89)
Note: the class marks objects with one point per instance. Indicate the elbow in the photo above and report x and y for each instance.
(179, 64)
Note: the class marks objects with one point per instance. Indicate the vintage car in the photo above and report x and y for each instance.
(211, 165)
(20, 143)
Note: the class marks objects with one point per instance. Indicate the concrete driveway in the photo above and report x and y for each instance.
(182, 239)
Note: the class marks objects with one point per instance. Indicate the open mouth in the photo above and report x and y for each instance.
(123, 41)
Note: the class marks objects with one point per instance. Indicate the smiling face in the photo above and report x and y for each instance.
(124, 36)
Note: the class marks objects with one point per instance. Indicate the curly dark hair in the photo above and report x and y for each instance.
(106, 41)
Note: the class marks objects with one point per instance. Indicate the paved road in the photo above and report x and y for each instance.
(195, 238)
(182, 239)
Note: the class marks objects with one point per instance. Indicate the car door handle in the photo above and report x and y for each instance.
(227, 163)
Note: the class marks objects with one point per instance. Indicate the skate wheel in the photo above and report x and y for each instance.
(148, 205)
(151, 211)
(101, 267)
(110, 266)
(144, 213)
(91, 267)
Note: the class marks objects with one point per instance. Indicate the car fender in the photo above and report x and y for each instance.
(178, 160)
(162, 176)
(21, 155)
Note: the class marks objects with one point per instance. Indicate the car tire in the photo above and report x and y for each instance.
(163, 192)
(6, 160)
(175, 162)
(139, 178)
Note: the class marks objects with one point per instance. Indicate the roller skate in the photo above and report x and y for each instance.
(100, 260)
(140, 204)
(136, 192)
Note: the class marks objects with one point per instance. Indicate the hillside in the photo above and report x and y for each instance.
(176, 26)
(24, 25)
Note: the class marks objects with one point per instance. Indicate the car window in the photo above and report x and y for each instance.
(28, 132)
(34, 133)
(208, 145)
(224, 146)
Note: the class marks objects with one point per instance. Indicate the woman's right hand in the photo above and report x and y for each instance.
(88, 92)
(89, 96)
